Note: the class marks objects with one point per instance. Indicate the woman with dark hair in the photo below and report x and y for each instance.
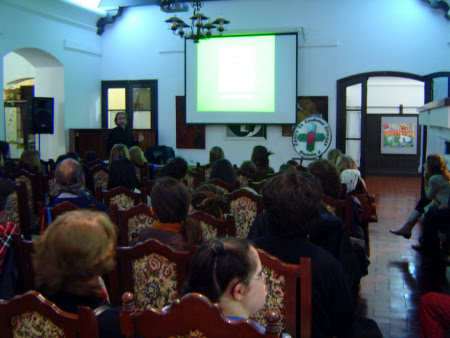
(230, 273)
(260, 156)
(328, 176)
(90, 156)
(176, 168)
(223, 169)
(123, 173)
(30, 161)
(333, 155)
(71, 255)
(437, 192)
(170, 205)
(216, 153)
(249, 167)
(209, 198)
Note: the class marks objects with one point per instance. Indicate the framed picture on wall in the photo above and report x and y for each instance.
(253, 132)
(307, 106)
(399, 135)
(188, 137)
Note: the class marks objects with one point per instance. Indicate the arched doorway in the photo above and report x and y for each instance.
(46, 74)
(358, 127)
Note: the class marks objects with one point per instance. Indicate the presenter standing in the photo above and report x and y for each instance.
(121, 134)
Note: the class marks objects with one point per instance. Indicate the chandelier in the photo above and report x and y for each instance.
(201, 26)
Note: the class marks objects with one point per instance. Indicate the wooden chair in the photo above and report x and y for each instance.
(257, 186)
(342, 209)
(205, 171)
(243, 177)
(48, 166)
(132, 221)
(153, 271)
(49, 214)
(33, 183)
(17, 211)
(283, 297)
(23, 251)
(148, 185)
(193, 179)
(191, 316)
(48, 187)
(214, 227)
(226, 187)
(122, 196)
(31, 315)
(245, 205)
(141, 171)
(97, 175)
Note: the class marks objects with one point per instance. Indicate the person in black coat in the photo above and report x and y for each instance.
(121, 133)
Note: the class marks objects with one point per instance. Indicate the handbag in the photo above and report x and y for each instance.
(369, 213)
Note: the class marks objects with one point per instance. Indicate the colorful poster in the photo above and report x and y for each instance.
(399, 135)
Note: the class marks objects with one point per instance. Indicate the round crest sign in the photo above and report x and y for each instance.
(311, 137)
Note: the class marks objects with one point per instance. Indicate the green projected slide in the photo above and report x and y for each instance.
(236, 74)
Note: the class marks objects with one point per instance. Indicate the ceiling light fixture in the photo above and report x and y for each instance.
(201, 26)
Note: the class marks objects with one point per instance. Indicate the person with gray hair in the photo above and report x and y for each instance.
(70, 185)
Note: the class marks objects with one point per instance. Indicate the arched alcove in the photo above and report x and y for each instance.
(48, 75)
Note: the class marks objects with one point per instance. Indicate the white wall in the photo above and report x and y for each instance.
(68, 34)
(342, 38)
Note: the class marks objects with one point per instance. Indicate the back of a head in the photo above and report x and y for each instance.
(291, 201)
(249, 167)
(216, 264)
(170, 200)
(436, 165)
(119, 150)
(123, 173)
(69, 175)
(90, 156)
(29, 159)
(333, 155)
(329, 177)
(176, 168)
(345, 162)
(286, 166)
(73, 251)
(216, 153)
(260, 156)
(210, 199)
(74, 155)
(223, 169)
(137, 156)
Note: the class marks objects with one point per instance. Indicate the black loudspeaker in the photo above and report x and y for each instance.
(40, 113)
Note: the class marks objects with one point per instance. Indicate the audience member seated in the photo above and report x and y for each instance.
(74, 155)
(328, 176)
(437, 191)
(333, 155)
(292, 207)
(118, 150)
(260, 156)
(175, 168)
(123, 173)
(230, 273)
(211, 199)
(249, 167)
(89, 157)
(350, 175)
(70, 186)
(293, 162)
(223, 170)
(170, 205)
(434, 315)
(138, 159)
(285, 167)
(4, 150)
(30, 161)
(71, 256)
(216, 153)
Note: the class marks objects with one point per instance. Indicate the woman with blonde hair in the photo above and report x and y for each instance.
(437, 191)
(119, 150)
(71, 256)
(350, 175)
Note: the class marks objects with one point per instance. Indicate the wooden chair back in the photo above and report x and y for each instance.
(122, 196)
(205, 171)
(191, 316)
(285, 297)
(342, 209)
(48, 166)
(31, 315)
(148, 185)
(153, 271)
(23, 251)
(49, 188)
(245, 205)
(213, 227)
(17, 210)
(49, 214)
(132, 221)
(257, 186)
(226, 187)
(97, 175)
(33, 182)
(193, 178)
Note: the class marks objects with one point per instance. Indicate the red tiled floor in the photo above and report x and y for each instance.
(390, 292)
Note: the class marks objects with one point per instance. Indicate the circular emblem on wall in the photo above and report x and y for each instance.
(311, 137)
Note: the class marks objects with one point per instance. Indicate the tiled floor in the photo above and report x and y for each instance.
(397, 274)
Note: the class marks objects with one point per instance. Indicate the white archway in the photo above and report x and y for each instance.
(48, 74)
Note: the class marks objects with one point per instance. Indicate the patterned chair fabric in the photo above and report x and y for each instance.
(155, 281)
(209, 232)
(11, 209)
(139, 222)
(101, 179)
(123, 201)
(244, 210)
(132, 221)
(214, 227)
(32, 324)
(29, 184)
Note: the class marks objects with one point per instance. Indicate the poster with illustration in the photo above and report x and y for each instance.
(399, 135)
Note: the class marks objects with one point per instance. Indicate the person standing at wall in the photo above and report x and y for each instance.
(121, 133)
